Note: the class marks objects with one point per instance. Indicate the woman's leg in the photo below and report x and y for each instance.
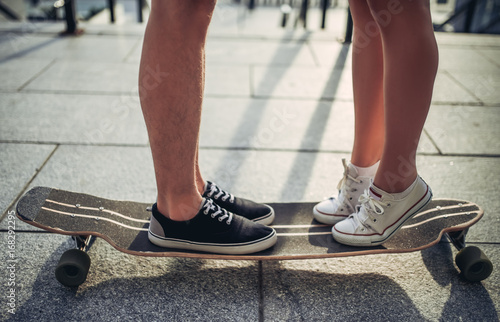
(369, 128)
(367, 75)
(410, 66)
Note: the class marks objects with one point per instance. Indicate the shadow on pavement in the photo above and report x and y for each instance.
(300, 295)
(468, 301)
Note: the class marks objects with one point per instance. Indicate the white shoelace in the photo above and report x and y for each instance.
(373, 208)
(217, 211)
(344, 184)
(218, 193)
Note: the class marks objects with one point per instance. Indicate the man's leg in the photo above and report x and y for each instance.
(171, 82)
(171, 90)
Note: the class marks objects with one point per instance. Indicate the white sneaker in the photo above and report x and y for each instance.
(333, 210)
(380, 215)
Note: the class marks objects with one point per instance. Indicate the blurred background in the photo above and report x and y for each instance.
(475, 16)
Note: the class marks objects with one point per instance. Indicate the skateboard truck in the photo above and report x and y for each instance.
(474, 265)
(83, 243)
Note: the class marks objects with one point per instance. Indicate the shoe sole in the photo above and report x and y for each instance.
(341, 237)
(228, 249)
(327, 219)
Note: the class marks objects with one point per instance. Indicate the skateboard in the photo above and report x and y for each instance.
(124, 225)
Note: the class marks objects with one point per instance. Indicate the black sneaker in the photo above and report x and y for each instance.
(213, 230)
(261, 213)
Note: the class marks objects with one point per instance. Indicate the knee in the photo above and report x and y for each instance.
(184, 14)
(394, 11)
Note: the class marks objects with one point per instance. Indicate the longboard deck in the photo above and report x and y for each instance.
(124, 224)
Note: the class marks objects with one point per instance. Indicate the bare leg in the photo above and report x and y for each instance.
(367, 75)
(171, 99)
(369, 127)
(410, 66)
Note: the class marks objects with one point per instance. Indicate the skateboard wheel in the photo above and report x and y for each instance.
(473, 264)
(73, 268)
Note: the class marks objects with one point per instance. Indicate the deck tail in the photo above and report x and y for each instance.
(29, 205)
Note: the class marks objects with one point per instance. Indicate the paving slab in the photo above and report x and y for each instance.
(302, 83)
(276, 124)
(484, 86)
(322, 83)
(492, 54)
(258, 52)
(465, 129)
(465, 40)
(252, 52)
(123, 173)
(90, 48)
(18, 164)
(27, 27)
(447, 90)
(224, 80)
(87, 47)
(465, 60)
(72, 119)
(17, 45)
(93, 77)
(332, 53)
(125, 286)
(18, 72)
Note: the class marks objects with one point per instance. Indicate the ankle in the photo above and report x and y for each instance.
(393, 185)
(201, 185)
(180, 207)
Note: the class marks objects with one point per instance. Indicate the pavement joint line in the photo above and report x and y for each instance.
(132, 50)
(36, 75)
(462, 86)
(313, 54)
(125, 145)
(424, 130)
(228, 148)
(251, 72)
(77, 92)
(25, 187)
(261, 291)
(486, 56)
(237, 96)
